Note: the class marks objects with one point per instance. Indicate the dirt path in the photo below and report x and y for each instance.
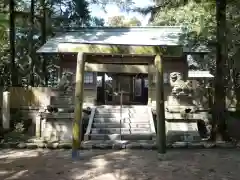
(211, 164)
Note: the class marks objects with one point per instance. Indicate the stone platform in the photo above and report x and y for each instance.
(182, 131)
(117, 145)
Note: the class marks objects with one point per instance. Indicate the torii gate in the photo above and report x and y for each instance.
(136, 41)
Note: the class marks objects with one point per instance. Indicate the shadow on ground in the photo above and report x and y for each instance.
(116, 165)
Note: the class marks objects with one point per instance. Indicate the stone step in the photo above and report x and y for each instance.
(61, 100)
(125, 125)
(182, 131)
(58, 91)
(121, 137)
(60, 115)
(178, 136)
(58, 125)
(181, 126)
(123, 106)
(113, 115)
(123, 110)
(69, 109)
(121, 130)
(63, 96)
(56, 135)
(111, 112)
(63, 105)
(179, 108)
(191, 116)
(117, 120)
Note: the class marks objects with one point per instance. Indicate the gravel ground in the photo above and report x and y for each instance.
(209, 164)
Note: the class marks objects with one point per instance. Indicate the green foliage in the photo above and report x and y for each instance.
(15, 137)
(124, 5)
(120, 21)
(200, 19)
(60, 14)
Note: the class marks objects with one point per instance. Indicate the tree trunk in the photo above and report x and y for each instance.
(31, 44)
(14, 76)
(160, 109)
(43, 40)
(219, 109)
(235, 77)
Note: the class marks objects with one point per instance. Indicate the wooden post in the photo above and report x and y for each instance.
(77, 123)
(160, 110)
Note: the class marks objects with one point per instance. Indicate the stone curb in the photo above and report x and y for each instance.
(115, 146)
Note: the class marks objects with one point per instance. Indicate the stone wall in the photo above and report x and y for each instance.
(36, 97)
(25, 103)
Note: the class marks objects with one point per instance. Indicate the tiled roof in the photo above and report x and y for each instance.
(136, 36)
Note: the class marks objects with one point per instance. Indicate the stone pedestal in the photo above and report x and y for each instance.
(179, 105)
(38, 126)
(178, 131)
(182, 115)
(57, 126)
(6, 110)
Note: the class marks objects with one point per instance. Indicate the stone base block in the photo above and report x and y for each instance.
(182, 131)
(57, 130)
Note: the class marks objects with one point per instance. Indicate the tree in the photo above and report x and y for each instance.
(219, 113)
(31, 43)
(116, 21)
(197, 16)
(12, 36)
(124, 5)
(35, 24)
(4, 46)
(134, 22)
(207, 23)
(200, 18)
(121, 21)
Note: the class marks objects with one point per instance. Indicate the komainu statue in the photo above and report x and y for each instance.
(180, 87)
(181, 97)
(66, 82)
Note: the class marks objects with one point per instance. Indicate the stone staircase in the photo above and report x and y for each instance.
(126, 123)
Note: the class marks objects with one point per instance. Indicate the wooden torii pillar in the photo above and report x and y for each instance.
(77, 122)
(160, 110)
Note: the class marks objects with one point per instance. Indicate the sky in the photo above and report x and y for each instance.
(113, 10)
